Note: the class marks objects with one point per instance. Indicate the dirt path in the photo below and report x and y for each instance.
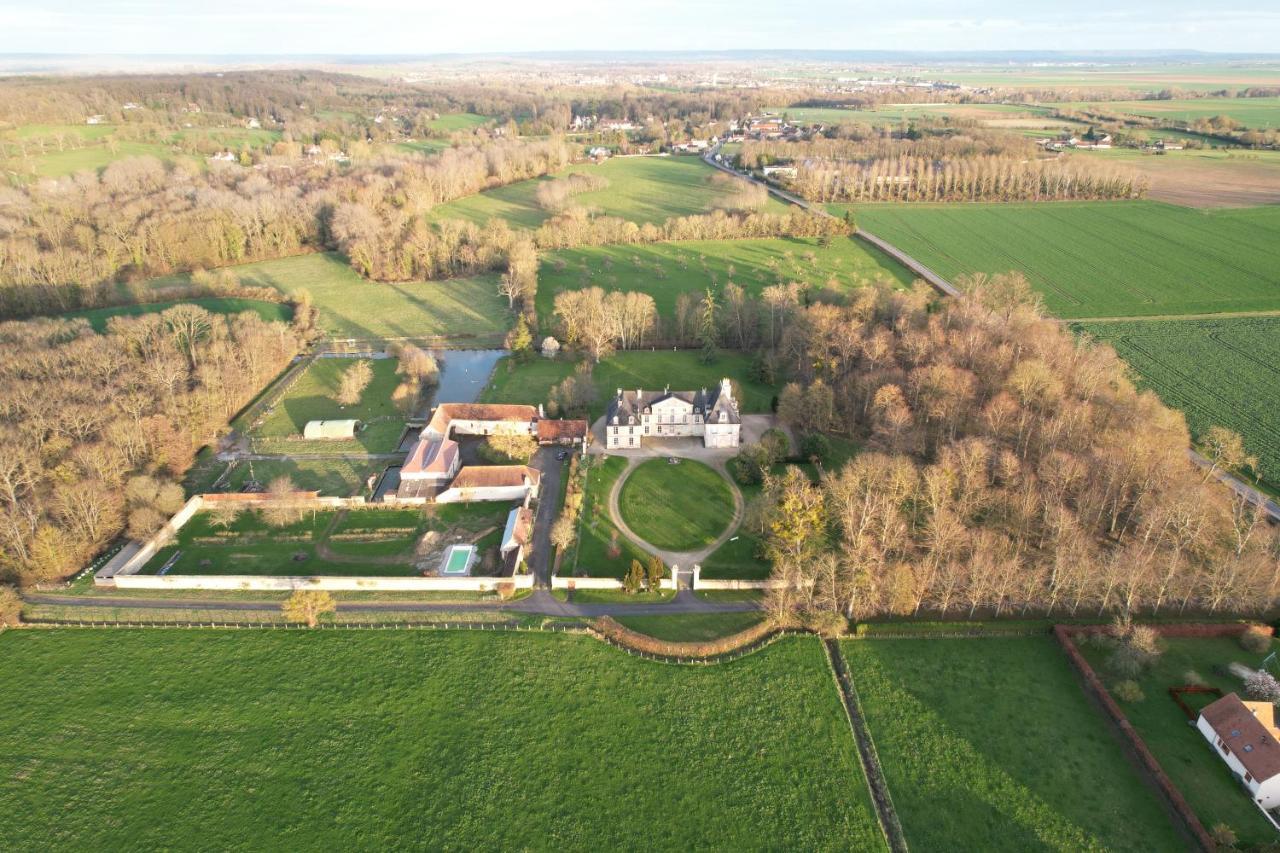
(684, 559)
(1223, 315)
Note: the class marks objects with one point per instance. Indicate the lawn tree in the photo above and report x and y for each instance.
(563, 531)
(655, 572)
(509, 445)
(708, 326)
(308, 605)
(520, 339)
(352, 382)
(418, 370)
(283, 506)
(633, 582)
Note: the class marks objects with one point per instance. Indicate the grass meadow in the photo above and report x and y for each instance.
(310, 398)
(676, 507)
(691, 627)
(1188, 759)
(442, 740)
(1100, 259)
(352, 307)
(641, 189)
(1222, 372)
(340, 476)
(1254, 113)
(990, 744)
(531, 382)
(665, 270)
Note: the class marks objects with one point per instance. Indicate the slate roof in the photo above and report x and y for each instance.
(1249, 731)
(708, 403)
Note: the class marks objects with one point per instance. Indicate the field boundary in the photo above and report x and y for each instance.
(1137, 747)
(872, 772)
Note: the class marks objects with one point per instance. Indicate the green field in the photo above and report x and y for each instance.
(691, 627)
(891, 114)
(596, 534)
(676, 507)
(310, 398)
(531, 382)
(450, 122)
(1255, 113)
(1219, 372)
(1187, 758)
(360, 740)
(352, 307)
(641, 189)
(338, 476)
(1100, 259)
(270, 311)
(990, 744)
(665, 270)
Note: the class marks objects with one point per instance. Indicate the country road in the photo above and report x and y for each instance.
(541, 602)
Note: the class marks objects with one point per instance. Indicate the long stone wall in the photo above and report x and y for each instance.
(558, 582)
(332, 584)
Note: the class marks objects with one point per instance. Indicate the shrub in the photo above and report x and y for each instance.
(1263, 687)
(1257, 640)
(815, 446)
(10, 607)
(1136, 647)
(1128, 691)
(1194, 679)
(1223, 835)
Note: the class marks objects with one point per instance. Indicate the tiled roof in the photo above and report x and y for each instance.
(446, 412)
(1248, 729)
(555, 430)
(494, 476)
(430, 457)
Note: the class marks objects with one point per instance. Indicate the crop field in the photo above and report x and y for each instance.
(891, 114)
(1255, 113)
(422, 738)
(990, 744)
(270, 311)
(1206, 178)
(665, 270)
(310, 398)
(1100, 259)
(352, 307)
(641, 189)
(1222, 372)
(1187, 758)
(1140, 78)
(677, 507)
(531, 382)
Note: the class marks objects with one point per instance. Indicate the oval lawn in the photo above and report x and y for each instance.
(681, 507)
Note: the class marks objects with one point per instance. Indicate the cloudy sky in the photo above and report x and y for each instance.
(434, 26)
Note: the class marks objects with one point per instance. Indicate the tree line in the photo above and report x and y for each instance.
(96, 429)
(1008, 467)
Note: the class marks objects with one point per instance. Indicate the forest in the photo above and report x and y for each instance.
(1008, 466)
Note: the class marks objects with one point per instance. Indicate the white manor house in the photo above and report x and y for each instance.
(634, 416)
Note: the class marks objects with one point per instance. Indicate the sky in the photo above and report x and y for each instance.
(486, 26)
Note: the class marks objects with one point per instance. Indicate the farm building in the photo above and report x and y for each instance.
(325, 430)
(431, 464)
(516, 536)
(1246, 738)
(492, 483)
(480, 419)
(562, 432)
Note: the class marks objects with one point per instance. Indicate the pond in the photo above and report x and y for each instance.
(463, 374)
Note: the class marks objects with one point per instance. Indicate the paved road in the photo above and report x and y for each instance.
(541, 555)
(540, 602)
(1255, 497)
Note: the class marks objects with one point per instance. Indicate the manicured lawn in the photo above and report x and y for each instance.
(990, 744)
(531, 382)
(1099, 259)
(351, 307)
(691, 627)
(677, 507)
(270, 311)
(641, 189)
(1188, 759)
(392, 739)
(1219, 372)
(665, 270)
(596, 534)
(310, 398)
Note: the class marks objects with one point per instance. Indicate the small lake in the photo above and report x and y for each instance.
(463, 373)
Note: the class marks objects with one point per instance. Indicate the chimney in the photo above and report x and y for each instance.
(619, 393)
